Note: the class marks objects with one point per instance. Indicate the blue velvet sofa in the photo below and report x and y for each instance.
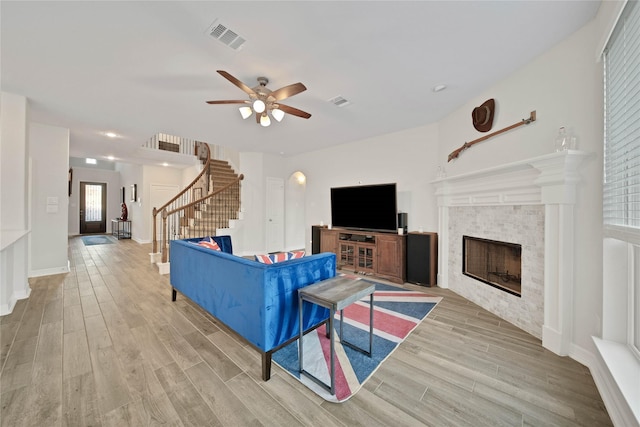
(257, 301)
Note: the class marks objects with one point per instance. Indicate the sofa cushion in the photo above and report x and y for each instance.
(209, 243)
(224, 242)
(278, 257)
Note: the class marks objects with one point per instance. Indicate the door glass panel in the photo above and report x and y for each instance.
(93, 202)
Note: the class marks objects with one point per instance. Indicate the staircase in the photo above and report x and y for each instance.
(216, 212)
(210, 203)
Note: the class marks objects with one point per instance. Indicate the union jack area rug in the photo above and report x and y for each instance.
(397, 312)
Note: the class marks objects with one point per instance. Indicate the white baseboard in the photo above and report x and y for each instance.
(164, 267)
(13, 299)
(8, 307)
(552, 340)
(155, 257)
(49, 271)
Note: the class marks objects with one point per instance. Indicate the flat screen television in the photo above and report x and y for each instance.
(365, 207)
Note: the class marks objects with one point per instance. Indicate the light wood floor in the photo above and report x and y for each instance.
(104, 345)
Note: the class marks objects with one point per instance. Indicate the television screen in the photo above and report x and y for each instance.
(365, 207)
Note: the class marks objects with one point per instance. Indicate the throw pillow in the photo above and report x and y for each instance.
(296, 254)
(278, 257)
(209, 243)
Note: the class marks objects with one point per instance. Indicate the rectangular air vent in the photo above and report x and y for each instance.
(339, 101)
(226, 36)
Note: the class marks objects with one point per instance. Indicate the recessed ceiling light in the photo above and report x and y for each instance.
(439, 88)
(111, 134)
(165, 164)
(111, 158)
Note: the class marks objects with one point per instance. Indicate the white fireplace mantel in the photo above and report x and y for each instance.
(540, 180)
(548, 180)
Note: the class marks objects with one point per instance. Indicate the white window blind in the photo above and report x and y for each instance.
(621, 197)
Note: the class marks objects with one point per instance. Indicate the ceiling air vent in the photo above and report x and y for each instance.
(224, 35)
(339, 101)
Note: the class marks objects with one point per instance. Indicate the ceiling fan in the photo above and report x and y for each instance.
(264, 101)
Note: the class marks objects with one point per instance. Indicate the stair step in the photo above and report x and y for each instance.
(213, 212)
(205, 223)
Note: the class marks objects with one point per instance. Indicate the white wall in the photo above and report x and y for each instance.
(294, 214)
(564, 86)
(407, 158)
(131, 174)
(142, 210)
(14, 190)
(253, 202)
(49, 148)
(13, 161)
(111, 178)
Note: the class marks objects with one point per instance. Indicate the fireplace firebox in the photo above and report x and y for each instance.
(495, 263)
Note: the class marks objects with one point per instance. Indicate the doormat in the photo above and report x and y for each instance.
(97, 240)
(397, 312)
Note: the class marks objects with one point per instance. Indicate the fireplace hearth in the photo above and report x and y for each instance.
(498, 264)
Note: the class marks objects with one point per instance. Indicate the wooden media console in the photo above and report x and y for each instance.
(367, 252)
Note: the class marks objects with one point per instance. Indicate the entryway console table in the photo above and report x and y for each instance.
(121, 229)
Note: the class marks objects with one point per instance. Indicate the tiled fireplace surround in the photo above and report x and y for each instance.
(529, 202)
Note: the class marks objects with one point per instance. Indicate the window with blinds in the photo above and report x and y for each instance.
(621, 189)
(621, 197)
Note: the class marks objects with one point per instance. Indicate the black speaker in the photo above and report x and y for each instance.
(422, 258)
(403, 221)
(315, 238)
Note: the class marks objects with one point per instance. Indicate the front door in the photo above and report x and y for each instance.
(93, 207)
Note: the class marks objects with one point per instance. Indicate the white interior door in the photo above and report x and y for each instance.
(159, 195)
(275, 214)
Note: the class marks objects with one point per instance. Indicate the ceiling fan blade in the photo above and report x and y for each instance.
(293, 111)
(236, 82)
(287, 91)
(229, 101)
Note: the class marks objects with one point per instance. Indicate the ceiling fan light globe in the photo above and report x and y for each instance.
(265, 120)
(259, 106)
(277, 114)
(245, 112)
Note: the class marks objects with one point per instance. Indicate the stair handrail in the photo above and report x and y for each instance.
(205, 170)
(208, 196)
(166, 213)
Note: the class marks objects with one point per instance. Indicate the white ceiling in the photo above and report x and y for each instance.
(139, 68)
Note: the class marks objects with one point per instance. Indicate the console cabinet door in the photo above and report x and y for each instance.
(328, 240)
(366, 258)
(391, 256)
(347, 256)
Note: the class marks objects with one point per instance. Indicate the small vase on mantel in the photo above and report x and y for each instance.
(562, 140)
(565, 141)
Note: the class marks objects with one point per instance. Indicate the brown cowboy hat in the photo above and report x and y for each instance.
(483, 116)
